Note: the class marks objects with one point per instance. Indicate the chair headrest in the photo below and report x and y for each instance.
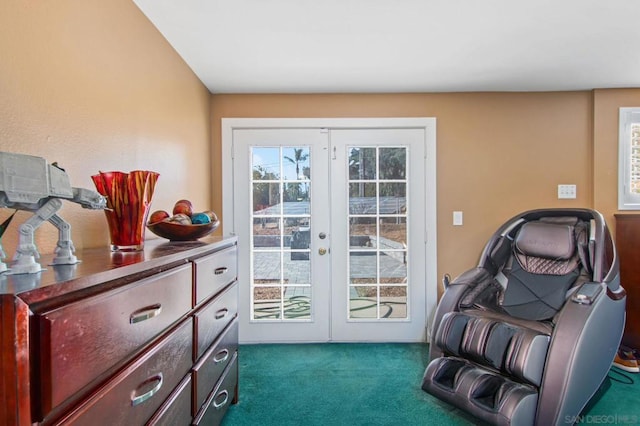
(546, 240)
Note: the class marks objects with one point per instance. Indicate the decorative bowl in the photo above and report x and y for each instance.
(178, 232)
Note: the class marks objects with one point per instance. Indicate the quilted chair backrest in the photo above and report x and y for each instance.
(545, 263)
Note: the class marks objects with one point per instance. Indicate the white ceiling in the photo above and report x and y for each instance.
(358, 46)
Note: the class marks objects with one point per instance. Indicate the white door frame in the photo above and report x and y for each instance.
(426, 123)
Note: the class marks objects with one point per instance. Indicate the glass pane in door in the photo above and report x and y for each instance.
(281, 233)
(378, 235)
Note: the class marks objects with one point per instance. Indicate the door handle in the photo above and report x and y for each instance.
(322, 251)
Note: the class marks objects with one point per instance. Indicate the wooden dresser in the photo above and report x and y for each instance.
(123, 338)
(628, 249)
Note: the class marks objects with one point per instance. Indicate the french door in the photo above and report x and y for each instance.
(332, 225)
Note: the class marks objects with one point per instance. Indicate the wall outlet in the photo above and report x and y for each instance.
(566, 192)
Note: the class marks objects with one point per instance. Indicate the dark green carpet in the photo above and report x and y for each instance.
(370, 384)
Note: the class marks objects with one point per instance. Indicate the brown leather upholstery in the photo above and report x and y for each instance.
(546, 248)
(512, 342)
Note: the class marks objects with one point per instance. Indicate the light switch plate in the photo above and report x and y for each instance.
(457, 218)
(566, 192)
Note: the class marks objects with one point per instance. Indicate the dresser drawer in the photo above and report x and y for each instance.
(214, 317)
(136, 393)
(216, 405)
(176, 410)
(214, 361)
(81, 341)
(213, 272)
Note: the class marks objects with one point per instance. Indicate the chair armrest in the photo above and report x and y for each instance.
(587, 293)
(583, 345)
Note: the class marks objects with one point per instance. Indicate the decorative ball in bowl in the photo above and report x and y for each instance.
(184, 225)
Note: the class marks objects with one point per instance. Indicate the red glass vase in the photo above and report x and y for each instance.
(128, 201)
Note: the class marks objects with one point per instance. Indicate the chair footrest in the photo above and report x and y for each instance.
(481, 392)
(495, 342)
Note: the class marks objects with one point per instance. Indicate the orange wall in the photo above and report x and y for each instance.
(93, 85)
(497, 153)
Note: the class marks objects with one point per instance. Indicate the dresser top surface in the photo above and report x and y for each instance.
(100, 265)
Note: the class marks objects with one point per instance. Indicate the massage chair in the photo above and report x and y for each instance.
(528, 336)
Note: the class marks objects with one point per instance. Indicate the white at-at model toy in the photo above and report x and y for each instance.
(29, 183)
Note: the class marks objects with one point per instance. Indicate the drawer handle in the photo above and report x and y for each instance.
(221, 356)
(145, 313)
(142, 398)
(217, 405)
(222, 313)
(220, 271)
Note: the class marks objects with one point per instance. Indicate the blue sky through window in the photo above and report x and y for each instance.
(268, 159)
